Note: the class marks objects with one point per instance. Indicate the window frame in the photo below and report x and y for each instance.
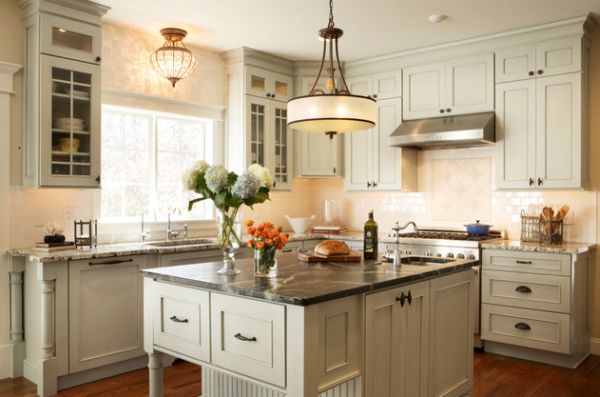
(208, 156)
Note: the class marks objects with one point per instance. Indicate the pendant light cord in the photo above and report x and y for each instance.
(330, 24)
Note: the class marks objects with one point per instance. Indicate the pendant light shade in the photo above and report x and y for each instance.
(173, 60)
(334, 109)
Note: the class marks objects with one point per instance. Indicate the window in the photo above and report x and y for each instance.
(144, 156)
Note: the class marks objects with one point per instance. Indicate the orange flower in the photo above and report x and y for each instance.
(269, 241)
(260, 245)
(261, 227)
(249, 222)
(280, 246)
(250, 242)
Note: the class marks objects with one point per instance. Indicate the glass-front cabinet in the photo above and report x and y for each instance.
(62, 94)
(270, 140)
(70, 123)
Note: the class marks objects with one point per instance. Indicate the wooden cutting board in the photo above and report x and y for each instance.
(311, 257)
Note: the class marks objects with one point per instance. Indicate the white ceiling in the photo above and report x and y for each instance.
(374, 27)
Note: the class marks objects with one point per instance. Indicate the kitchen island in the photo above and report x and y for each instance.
(317, 329)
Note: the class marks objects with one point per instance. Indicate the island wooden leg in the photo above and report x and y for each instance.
(155, 369)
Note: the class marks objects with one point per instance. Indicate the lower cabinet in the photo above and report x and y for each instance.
(105, 311)
(396, 341)
(418, 339)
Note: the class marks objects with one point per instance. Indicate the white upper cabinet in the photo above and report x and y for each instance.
(264, 83)
(316, 154)
(541, 59)
(458, 86)
(383, 85)
(539, 133)
(68, 38)
(371, 163)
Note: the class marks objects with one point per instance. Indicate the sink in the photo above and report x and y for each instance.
(424, 261)
(177, 243)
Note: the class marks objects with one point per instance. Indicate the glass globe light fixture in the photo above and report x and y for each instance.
(173, 60)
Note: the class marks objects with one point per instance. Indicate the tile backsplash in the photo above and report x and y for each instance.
(455, 187)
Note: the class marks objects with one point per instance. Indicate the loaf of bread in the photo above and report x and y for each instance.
(332, 247)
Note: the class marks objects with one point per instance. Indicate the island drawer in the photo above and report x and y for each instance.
(530, 291)
(524, 327)
(527, 262)
(248, 337)
(182, 320)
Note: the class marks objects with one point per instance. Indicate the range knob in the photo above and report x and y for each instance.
(471, 256)
(428, 253)
(407, 252)
(461, 256)
(439, 255)
(450, 255)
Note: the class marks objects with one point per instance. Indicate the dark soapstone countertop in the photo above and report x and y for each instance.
(300, 283)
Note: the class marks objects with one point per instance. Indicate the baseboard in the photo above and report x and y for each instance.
(11, 360)
(30, 371)
(595, 346)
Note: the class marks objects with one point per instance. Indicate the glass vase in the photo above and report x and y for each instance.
(265, 262)
(229, 228)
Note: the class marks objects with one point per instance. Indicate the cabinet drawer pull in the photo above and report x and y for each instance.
(175, 319)
(531, 182)
(522, 326)
(524, 262)
(401, 299)
(244, 338)
(540, 182)
(111, 262)
(523, 289)
(409, 297)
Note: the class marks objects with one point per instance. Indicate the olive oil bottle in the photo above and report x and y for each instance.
(370, 238)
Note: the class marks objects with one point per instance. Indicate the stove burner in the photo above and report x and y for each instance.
(447, 235)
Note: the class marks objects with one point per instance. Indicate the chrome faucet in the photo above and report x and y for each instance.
(144, 234)
(416, 229)
(397, 258)
(174, 234)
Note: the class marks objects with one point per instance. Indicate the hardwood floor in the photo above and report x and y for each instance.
(495, 376)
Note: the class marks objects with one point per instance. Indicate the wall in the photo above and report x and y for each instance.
(126, 71)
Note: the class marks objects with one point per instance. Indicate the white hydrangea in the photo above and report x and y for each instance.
(216, 178)
(190, 178)
(200, 166)
(262, 174)
(245, 186)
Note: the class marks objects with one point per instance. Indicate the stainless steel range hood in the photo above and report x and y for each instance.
(451, 131)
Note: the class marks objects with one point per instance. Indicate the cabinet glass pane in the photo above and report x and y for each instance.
(71, 111)
(67, 38)
(281, 88)
(281, 146)
(257, 134)
(258, 83)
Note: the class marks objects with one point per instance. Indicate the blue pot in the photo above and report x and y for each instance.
(477, 229)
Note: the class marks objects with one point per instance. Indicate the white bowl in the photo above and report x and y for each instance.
(301, 224)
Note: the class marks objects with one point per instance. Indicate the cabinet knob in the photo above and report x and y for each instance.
(448, 110)
(409, 297)
(540, 71)
(374, 96)
(98, 179)
(442, 110)
(374, 184)
(401, 299)
(98, 59)
(531, 182)
(272, 95)
(368, 185)
(531, 73)
(268, 95)
(540, 181)
(334, 170)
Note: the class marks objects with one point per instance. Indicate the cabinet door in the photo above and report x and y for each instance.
(515, 63)
(358, 155)
(470, 85)
(515, 134)
(387, 85)
(70, 123)
(423, 91)
(105, 311)
(257, 82)
(387, 170)
(559, 150)
(256, 130)
(282, 146)
(71, 39)
(282, 87)
(319, 155)
(558, 56)
(360, 85)
(451, 319)
(396, 342)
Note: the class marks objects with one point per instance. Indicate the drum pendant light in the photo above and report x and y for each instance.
(334, 109)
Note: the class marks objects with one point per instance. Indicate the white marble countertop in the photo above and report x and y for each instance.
(516, 245)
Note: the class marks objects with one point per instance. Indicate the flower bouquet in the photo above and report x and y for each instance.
(266, 241)
(229, 192)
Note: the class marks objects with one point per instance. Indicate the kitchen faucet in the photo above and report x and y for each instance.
(174, 234)
(397, 253)
(145, 234)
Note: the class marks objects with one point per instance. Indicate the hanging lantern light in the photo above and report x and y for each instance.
(334, 109)
(173, 60)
